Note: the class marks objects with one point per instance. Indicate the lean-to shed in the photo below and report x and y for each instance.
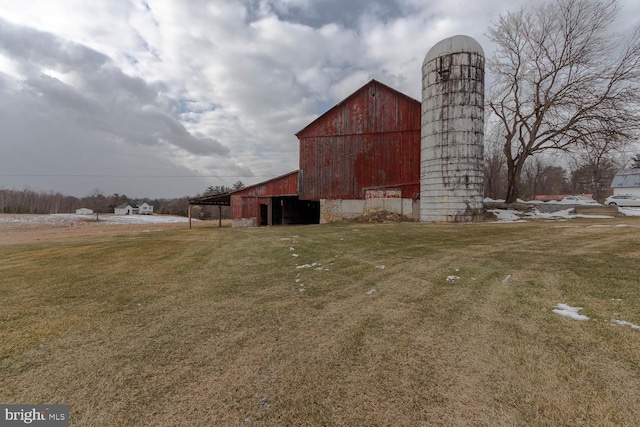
(273, 202)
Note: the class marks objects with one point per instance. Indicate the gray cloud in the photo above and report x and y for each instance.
(73, 99)
(200, 87)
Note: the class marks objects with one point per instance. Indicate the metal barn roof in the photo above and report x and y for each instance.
(627, 178)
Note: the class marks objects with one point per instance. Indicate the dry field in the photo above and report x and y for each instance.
(338, 325)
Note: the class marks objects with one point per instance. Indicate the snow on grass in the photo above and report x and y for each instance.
(625, 323)
(570, 312)
(72, 219)
(303, 266)
(508, 215)
(504, 215)
(629, 211)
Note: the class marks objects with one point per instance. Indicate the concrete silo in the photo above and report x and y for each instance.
(452, 135)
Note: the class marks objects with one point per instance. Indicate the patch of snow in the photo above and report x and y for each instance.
(629, 211)
(295, 255)
(304, 266)
(625, 323)
(505, 215)
(570, 312)
(452, 278)
(506, 279)
(508, 215)
(103, 219)
(380, 267)
(370, 292)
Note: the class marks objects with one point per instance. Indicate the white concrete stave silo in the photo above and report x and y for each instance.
(452, 135)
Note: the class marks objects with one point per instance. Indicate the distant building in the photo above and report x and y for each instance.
(134, 208)
(145, 208)
(627, 181)
(84, 211)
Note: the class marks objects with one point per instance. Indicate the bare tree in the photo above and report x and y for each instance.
(592, 171)
(495, 171)
(562, 81)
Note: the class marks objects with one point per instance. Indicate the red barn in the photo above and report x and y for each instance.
(361, 156)
(273, 202)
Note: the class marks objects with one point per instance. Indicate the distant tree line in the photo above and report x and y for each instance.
(28, 201)
(543, 176)
(33, 202)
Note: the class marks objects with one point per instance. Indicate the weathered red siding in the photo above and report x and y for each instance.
(245, 203)
(369, 140)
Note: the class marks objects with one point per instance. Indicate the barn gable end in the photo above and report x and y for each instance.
(370, 140)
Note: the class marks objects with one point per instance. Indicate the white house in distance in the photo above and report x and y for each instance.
(131, 208)
(84, 211)
(627, 181)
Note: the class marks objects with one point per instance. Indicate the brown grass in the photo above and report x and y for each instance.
(210, 327)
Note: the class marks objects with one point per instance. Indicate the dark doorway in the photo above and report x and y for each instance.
(290, 210)
(264, 215)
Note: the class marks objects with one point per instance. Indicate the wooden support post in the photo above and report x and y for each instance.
(189, 217)
(219, 216)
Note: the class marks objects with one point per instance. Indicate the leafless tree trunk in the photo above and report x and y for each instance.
(562, 81)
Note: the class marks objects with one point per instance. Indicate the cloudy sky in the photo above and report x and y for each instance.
(162, 98)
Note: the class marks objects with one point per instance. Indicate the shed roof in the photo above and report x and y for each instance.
(212, 200)
(627, 178)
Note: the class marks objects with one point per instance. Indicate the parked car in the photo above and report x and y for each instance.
(622, 200)
(580, 200)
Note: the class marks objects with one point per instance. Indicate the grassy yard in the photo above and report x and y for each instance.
(214, 327)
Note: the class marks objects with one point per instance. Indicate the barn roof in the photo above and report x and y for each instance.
(250, 188)
(355, 94)
(225, 198)
(627, 178)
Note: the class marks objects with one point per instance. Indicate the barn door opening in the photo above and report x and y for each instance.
(264, 214)
(288, 210)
